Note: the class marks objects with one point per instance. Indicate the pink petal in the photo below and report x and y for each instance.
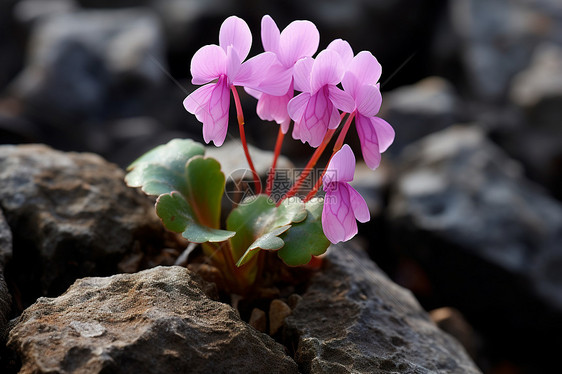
(199, 99)
(358, 204)
(341, 99)
(297, 106)
(338, 220)
(385, 133)
(207, 64)
(269, 34)
(328, 69)
(343, 163)
(369, 140)
(363, 69)
(233, 63)
(343, 49)
(277, 80)
(274, 108)
(301, 74)
(299, 39)
(335, 118)
(252, 92)
(369, 100)
(251, 72)
(316, 118)
(236, 33)
(215, 119)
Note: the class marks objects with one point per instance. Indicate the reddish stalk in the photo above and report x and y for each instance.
(271, 176)
(337, 147)
(240, 117)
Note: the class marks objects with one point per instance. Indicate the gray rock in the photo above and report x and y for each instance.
(5, 255)
(155, 321)
(92, 65)
(353, 319)
(420, 109)
(497, 38)
(488, 239)
(71, 216)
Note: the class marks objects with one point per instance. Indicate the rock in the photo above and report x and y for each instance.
(278, 311)
(71, 216)
(497, 38)
(294, 300)
(258, 320)
(86, 67)
(488, 239)
(538, 143)
(453, 322)
(353, 319)
(154, 321)
(418, 110)
(5, 255)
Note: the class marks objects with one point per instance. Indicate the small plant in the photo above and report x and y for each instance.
(189, 186)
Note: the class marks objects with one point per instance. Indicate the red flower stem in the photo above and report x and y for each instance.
(337, 147)
(240, 117)
(308, 168)
(343, 133)
(271, 176)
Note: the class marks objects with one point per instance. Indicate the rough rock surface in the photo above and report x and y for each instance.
(353, 319)
(420, 109)
(462, 209)
(71, 216)
(154, 321)
(5, 255)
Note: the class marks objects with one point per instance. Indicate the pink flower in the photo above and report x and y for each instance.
(223, 63)
(361, 82)
(315, 110)
(342, 203)
(299, 39)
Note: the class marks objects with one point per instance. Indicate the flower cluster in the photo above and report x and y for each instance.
(334, 84)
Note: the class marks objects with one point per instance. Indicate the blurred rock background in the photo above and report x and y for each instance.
(466, 206)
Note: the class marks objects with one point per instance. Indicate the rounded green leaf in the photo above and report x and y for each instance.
(177, 215)
(305, 239)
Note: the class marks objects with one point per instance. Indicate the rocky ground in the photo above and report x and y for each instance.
(466, 205)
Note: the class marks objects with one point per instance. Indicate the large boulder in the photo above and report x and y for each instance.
(154, 321)
(487, 238)
(354, 319)
(71, 215)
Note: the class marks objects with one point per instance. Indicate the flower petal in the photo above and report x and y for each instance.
(341, 99)
(385, 133)
(297, 106)
(368, 100)
(207, 64)
(269, 34)
(343, 48)
(299, 39)
(277, 80)
(233, 63)
(363, 69)
(316, 119)
(274, 108)
(327, 70)
(235, 32)
(251, 72)
(301, 74)
(343, 163)
(358, 204)
(369, 140)
(215, 122)
(338, 220)
(199, 99)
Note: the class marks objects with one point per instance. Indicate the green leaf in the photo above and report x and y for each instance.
(189, 187)
(306, 238)
(162, 170)
(258, 224)
(177, 215)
